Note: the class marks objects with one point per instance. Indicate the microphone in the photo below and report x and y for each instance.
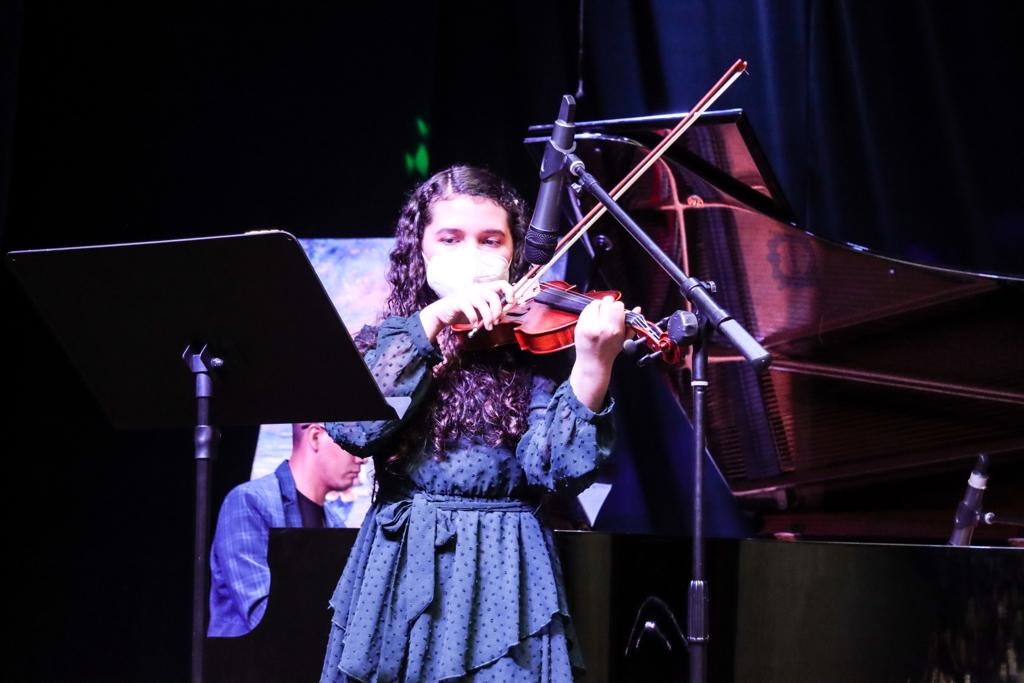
(968, 513)
(542, 236)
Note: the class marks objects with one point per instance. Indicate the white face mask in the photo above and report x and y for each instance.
(454, 269)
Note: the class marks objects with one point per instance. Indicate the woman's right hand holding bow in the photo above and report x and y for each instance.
(477, 304)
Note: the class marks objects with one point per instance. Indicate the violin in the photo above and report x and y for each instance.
(546, 323)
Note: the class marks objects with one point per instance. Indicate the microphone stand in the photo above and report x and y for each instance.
(710, 317)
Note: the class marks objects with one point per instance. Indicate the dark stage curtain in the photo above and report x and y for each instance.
(890, 125)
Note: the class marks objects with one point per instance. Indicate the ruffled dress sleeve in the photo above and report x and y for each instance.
(401, 364)
(566, 442)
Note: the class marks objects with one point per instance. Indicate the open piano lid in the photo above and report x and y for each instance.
(881, 368)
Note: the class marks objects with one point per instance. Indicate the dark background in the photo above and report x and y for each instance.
(889, 125)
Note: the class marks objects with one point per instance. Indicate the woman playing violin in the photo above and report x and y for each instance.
(453, 576)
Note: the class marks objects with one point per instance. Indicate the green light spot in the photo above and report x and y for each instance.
(418, 163)
(422, 160)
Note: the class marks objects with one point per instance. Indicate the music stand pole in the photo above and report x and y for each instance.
(205, 439)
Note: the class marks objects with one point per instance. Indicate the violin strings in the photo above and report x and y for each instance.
(568, 297)
(632, 318)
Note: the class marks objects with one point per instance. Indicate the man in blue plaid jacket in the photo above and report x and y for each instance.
(292, 497)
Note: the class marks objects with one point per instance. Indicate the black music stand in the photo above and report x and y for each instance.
(245, 314)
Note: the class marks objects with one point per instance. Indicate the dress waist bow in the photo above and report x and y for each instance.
(414, 524)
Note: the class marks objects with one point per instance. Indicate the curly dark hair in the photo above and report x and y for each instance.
(484, 394)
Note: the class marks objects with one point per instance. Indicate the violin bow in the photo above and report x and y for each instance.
(528, 285)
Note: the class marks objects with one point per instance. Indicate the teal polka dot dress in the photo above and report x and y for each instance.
(453, 577)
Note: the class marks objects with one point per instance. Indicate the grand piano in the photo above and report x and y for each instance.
(834, 475)
(885, 374)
